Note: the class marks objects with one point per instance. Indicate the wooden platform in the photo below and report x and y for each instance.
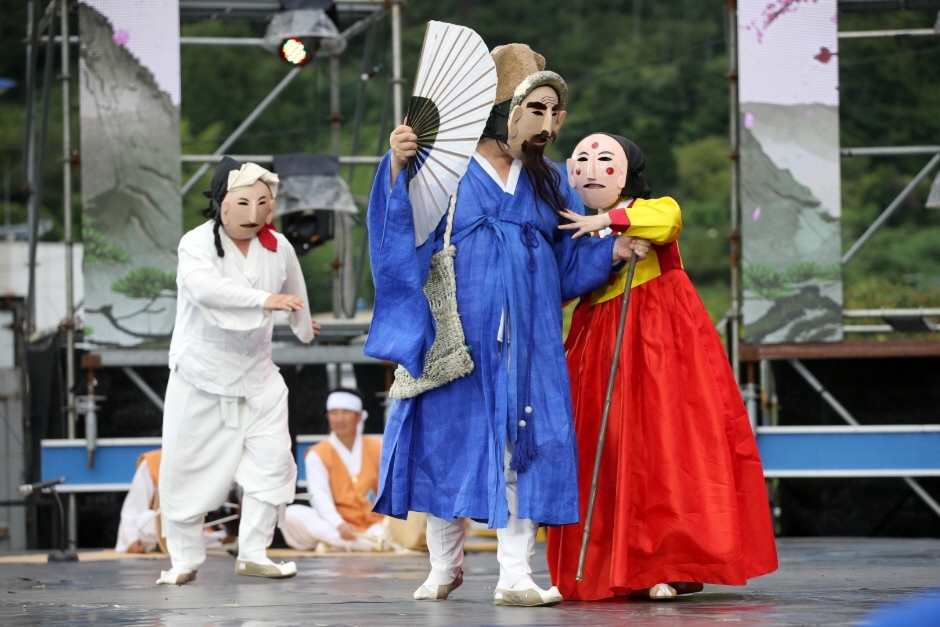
(855, 349)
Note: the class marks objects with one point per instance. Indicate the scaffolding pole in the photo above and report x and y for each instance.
(69, 270)
(397, 79)
(342, 241)
(734, 316)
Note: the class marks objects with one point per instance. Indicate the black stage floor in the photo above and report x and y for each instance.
(821, 581)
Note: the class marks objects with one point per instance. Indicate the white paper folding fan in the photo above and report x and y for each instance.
(453, 93)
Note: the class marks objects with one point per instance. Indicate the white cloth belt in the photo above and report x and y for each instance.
(229, 411)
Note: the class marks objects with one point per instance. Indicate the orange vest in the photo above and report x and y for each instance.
(153, 465)
(352, 494)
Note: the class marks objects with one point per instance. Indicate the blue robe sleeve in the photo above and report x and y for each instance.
(584, 264)
(402, 328)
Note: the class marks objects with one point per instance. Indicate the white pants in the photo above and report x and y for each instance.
(202, 455)
(304, 528)
(515, 543)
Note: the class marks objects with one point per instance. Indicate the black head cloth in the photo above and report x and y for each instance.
(636, 187)
(219, 187)
(497, 125)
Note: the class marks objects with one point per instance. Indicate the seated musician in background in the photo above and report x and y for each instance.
(342, 479)
(137, 532)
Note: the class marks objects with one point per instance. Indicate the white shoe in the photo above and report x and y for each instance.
(662, 592)
(529, 597)
(271, 571)
(171, 578)
(438, 593)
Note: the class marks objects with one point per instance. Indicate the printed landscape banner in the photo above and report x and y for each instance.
(130, 110)
(790, 175)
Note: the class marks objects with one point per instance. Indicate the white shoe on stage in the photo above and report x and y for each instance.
(271, 571)
(527, 597)
(429, 592)
(173, 578)
(663, 592)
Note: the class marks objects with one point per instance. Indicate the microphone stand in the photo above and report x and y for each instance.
(63, 554)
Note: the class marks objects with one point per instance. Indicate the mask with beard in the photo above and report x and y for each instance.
(533, 122)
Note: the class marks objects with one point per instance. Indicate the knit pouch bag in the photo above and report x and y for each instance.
(449, 356)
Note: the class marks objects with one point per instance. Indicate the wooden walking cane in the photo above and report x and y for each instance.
(605, 415)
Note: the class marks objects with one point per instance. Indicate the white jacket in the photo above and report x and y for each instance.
(222, 339)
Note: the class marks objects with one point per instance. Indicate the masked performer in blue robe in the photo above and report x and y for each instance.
(496, 445)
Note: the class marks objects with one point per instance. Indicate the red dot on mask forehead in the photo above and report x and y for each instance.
(610, 170)
(595, 145)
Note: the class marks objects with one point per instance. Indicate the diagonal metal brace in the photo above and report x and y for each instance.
(244, 126)
(137, 380)
(844, 413)
(881, 219)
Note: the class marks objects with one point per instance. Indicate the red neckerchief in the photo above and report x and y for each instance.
(267, 238)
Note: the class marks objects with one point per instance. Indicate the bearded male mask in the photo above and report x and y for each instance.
(529, 111)
(536, 114)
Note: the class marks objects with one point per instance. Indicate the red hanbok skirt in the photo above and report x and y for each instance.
(681, 494)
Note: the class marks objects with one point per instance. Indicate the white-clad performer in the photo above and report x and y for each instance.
(137, 532)
(225, 416)
(342, 479)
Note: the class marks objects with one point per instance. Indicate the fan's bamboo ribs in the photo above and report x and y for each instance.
(601, 437)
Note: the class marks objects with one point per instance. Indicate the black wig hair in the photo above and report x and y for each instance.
(544, 177)
(215, 194)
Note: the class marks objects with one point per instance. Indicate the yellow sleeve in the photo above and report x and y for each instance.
(658, 220)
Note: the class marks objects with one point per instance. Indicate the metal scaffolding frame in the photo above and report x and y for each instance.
(896, 319)
(41, 31)
(733, 320)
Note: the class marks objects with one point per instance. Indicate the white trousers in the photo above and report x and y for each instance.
(304, 528)
(515, 543)
(186, 541)
(203, 453)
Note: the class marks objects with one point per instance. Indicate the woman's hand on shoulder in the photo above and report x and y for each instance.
(584, 225)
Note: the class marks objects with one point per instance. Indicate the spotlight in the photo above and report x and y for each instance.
(308, 229)
(311, 190)
(297, 51)
(302, 29)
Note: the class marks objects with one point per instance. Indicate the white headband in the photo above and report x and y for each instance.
(345, 400)
(251, 173)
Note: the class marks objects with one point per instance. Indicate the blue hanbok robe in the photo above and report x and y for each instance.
(443, 451)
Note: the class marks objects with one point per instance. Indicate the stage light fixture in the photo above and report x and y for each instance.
(302, 30)
(310, 193)
(297, 51)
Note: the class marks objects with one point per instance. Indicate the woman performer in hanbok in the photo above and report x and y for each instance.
(681, 499)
